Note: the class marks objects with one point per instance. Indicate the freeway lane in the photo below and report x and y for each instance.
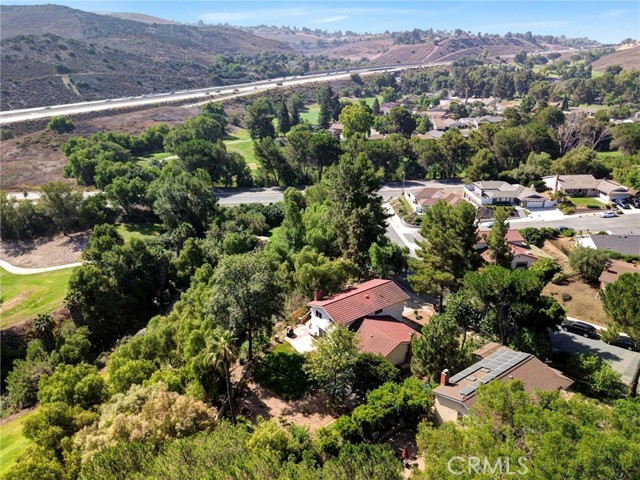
(202, 94)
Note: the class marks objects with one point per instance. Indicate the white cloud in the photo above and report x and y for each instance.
(337, 18)
(616, 13)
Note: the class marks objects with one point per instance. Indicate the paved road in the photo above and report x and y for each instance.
(622, 360)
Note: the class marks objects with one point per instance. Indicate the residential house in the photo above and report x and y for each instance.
(336, 129)
(587, 186)
(613, 269)
(427, 197)
(523, 255)
(500, 193)
(623, 244)
(457, 394)
(373, 309)
(475, 122)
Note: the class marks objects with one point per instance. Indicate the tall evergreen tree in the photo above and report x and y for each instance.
(329, 106)
(499, 248)
(357, 213)
(284, 122)
(448, 249)
(375, 108)
(294, 115)
(292, 225)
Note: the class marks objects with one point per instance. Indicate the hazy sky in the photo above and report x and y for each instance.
(606, 21)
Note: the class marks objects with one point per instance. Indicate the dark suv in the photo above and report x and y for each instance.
(581, 328)
(625, 342)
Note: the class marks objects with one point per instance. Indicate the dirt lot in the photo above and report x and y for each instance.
(310, 411)
(45, 252)
(36, 158)
(577, 297)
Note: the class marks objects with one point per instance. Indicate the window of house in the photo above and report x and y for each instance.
(377, 312)
(318, 314)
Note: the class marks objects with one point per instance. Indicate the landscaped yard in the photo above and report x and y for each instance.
(143, 231)
(12, 441)
(25, 296)
(281, 371)
(586, 202)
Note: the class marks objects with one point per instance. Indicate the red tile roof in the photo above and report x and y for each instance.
(382, 335)
(513, 235)
(361, 300)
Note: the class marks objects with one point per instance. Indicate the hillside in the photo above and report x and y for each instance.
(54, 54)
(627, 56)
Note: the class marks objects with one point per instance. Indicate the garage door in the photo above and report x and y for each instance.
(535, 204)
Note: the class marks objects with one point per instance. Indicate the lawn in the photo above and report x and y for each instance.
(143, 231)
(239, 141)
(310, 114)
(586, 201)
(12, 442)
(144, 161)
(281, 371)
(25, 296)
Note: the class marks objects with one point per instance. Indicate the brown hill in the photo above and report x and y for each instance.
(137, 17)
(627, 56)
(54, 54)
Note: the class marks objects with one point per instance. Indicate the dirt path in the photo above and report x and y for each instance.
(42, 255)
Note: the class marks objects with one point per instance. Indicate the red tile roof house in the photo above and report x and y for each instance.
(374, 310)
(427, 197)
(523, 256)
(456, 395)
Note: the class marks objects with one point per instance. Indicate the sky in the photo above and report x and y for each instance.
(605, 21)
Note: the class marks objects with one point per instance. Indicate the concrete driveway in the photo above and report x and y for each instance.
(622, 360)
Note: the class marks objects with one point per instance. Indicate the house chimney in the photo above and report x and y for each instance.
(318, 294)
(444, 377)
(555, 187)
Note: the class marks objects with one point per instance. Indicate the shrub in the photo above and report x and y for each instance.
(566, 297)
(60, 125)
(559, 278)
(588, 262)
(547, 268)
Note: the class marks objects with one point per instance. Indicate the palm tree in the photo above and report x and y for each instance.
(221, 353)
(42, 326)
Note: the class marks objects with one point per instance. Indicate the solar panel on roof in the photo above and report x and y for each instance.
(497, 363)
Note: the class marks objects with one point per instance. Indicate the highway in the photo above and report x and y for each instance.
(202, 94)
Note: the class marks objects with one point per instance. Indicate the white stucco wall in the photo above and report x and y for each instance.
(399, 354)
(520, 259)
(445, 410)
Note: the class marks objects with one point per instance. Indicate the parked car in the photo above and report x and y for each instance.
(635, 201)
(625, 342)
(563, 229)
(608, 214)
(622, 204)
(581, 328)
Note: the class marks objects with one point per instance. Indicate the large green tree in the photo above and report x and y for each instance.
(357, 214)
(331, 364)
(356, 118)
(186, 198)
(438, 348)
(260, 121)
(246, 296)
(499, 248)
(448, 249)
(62, 204)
